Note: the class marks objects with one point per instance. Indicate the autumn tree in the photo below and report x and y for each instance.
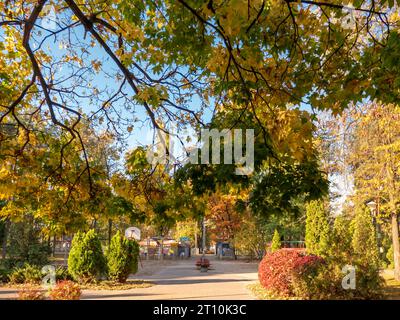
(223, 218)
(118, 66)
(253, 236)
(189, 228)
(376, 161)
(264, 57)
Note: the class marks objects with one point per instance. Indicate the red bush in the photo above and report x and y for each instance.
(65, 290)
(30, 292)
(277, 269)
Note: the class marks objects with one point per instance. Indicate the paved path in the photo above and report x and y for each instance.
(181, 280)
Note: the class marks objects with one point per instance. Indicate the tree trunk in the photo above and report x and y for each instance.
(204, 238)
(162, 248)
(234, 253)
(396, 246)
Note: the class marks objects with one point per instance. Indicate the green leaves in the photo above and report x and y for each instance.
(279, 188)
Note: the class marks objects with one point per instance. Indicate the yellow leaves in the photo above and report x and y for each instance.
(218, 60)
(74, 58)
(152, 95)
(10, 44)
(144, 94)
(131, 32)
(234, 17)
(186, 84)
(206, 12)
(291, 131)
(44, 57)
(160, 24)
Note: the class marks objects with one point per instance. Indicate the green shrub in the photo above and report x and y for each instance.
(62, 274)
(25, 245)
(317, 229)
(276, 241)
(26, 274)
(351, 242)
(341, 248)
(4, 275)
(390, 257)
(122, 258)
(325, 282)
(86, 262)
(364, 241)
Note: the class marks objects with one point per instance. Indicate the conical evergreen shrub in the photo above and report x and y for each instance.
(122, 258)
(86, 261)
(276, 241)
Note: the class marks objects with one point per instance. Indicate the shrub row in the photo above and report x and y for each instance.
(87, 262)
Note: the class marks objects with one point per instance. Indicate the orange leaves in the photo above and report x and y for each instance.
(96, 64)
(222, 217)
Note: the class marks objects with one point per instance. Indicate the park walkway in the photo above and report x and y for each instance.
(181, 280)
